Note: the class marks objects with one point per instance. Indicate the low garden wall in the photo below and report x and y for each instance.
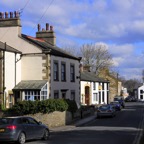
(57, 118)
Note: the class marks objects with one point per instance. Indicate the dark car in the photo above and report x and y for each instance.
(120, 99)
(116, 105)
(20, 129)
(106, 110)
(131, 99)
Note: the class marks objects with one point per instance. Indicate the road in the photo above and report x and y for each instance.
(125, 128)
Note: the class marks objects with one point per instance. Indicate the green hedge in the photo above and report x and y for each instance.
(45, 106)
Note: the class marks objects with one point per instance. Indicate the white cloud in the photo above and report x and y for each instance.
(117, 23)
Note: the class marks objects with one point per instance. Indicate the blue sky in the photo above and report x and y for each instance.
(119, 24)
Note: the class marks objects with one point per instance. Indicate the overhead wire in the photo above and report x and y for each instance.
(43, 15)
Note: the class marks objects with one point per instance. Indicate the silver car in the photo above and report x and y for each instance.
(20, 129)
(106, 110)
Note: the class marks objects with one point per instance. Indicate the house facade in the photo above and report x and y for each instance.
(94, 90)
(141, 93)
(40, 70)
(115, 87)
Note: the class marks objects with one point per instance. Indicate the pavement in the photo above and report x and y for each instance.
(75, 123)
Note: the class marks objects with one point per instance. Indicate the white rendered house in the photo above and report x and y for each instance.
(94, 90)
(40, 70)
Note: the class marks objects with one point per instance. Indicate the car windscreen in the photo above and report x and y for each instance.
(104, 107)
(6, 121)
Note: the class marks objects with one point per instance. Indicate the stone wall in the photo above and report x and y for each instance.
(54, 119)
(57, 118)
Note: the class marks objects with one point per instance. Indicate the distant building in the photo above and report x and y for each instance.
(94, 90)
(141, 93)
(115, 87)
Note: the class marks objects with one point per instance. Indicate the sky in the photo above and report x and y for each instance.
(118, 24)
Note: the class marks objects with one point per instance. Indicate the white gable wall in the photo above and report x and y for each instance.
(141, 93)
(11, 36)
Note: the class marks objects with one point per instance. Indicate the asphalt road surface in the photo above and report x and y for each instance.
(125, 128)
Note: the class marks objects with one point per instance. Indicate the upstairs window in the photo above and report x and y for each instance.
(72, 73)
(56, 73)
(63, 72)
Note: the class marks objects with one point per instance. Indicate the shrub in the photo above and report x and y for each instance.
(72, 106)
(32, 107)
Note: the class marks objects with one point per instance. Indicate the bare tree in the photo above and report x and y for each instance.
(96, 56)
(131, 84)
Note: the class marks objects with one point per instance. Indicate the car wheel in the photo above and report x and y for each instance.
(21, 138)
(46, 135)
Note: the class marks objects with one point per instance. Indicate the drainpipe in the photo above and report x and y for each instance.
(4, 76)
(15, 69)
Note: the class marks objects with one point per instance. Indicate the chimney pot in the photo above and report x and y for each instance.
(51, 28)
(6, 14)
(43, 29)
(11, 14)
(39, 27)
(1, 15)
(16, 14)
(47, 26)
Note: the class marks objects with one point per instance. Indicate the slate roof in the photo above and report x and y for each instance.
(8, 48)
(30, 85)
(91, 77)
(45, 46)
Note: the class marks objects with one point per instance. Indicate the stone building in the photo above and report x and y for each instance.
(38, 69)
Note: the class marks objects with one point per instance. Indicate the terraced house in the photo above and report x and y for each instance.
(35, 68)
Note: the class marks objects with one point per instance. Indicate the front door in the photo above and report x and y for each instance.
(87, 95)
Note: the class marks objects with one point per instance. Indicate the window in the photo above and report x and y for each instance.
(44, 92)
(141, 91)
(37, 94)
(56, 77)
(94, 86)
(102, 86)
(73, 95)
(103, 96)
(56, 94)
(95, 97)
(63, 72)
(72, 73)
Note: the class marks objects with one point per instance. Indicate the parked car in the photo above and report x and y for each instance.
(120, 99)
(116, 105)
(21, 128)
(130, 99)
(106, 110)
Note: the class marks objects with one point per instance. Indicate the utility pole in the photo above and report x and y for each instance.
(117, 85)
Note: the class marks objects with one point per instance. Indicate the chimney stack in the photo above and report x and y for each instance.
(47, 34)
(7, 19)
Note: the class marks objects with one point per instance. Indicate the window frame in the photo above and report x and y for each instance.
(56, 71)
(63, 71)
(72, 73)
